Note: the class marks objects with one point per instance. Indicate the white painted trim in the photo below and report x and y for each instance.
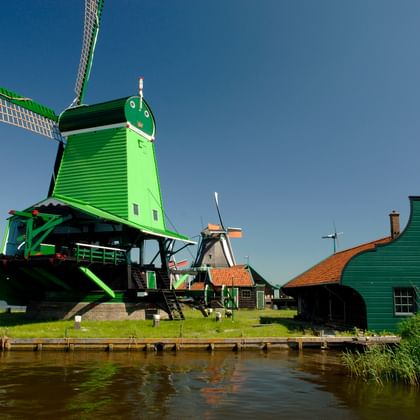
(5, 238)
(100, 247)
(140, 132)
(108, 127)
(91, 129)
(144, 230)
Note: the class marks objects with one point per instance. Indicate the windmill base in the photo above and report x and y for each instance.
(92, 311)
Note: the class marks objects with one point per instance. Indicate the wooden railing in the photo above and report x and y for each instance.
(97, 253)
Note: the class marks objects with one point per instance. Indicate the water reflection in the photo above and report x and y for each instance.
(193, 385)
(92, 393)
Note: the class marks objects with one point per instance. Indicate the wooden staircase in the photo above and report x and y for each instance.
(171, 305)
(138, 278)
(165, 282)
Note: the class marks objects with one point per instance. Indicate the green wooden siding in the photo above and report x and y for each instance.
(375, 274)
(143, 183)
(94, 170)
(115, 171)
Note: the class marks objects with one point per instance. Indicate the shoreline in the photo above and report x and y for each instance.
(178, 344)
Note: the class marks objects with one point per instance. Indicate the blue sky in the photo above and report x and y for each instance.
(299, 113)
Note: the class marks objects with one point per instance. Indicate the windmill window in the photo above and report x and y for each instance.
(155, 215)
(136, 209)
(404, 301)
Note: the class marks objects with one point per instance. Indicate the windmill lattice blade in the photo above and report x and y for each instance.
(25, 113)
(93, 11)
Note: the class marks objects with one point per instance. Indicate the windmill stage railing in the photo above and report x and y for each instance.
(102, 254)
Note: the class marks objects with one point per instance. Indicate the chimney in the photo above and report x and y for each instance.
(394, 219)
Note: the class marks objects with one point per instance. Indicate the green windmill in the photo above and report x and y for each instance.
(100, 236)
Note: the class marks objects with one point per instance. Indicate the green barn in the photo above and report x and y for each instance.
(371, 286)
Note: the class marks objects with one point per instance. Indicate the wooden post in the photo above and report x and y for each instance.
(300, 344)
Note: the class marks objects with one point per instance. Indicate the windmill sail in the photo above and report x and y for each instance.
(216, 199)
(93, 11)
(23, 112)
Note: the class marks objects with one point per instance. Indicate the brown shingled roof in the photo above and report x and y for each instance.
(238, 275)
(330, 269)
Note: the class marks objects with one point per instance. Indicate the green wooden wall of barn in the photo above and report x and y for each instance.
(375, 274)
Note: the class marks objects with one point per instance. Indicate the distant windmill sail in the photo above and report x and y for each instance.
(178, 264)
(213, 228)
(234, 232)
(216, 199)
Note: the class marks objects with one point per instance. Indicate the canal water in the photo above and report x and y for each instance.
(194, 385)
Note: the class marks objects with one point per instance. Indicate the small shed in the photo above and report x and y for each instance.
(240, 284)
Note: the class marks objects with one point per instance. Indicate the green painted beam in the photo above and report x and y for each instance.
(97, 281)
(28, 103)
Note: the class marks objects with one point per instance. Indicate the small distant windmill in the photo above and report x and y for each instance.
(334, 237)
(215, 249)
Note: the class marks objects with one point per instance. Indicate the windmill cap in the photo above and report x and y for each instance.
(131, 110)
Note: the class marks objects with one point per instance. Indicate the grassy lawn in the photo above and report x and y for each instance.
(245, 323)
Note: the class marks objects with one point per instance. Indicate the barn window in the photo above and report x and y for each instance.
(246, 294)
(155, 215)
(135, 209)
(404, 301)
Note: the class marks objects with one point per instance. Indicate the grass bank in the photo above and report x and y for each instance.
(245, 323)
(383, 363)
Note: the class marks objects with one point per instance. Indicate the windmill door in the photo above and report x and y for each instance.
(151, 279)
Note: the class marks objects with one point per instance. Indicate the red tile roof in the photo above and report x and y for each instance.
(199, 285)
(238, 276)
(330, 269)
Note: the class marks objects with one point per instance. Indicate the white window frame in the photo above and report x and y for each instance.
(404, 301)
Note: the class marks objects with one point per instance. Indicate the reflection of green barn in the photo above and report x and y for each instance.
(373, 286)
